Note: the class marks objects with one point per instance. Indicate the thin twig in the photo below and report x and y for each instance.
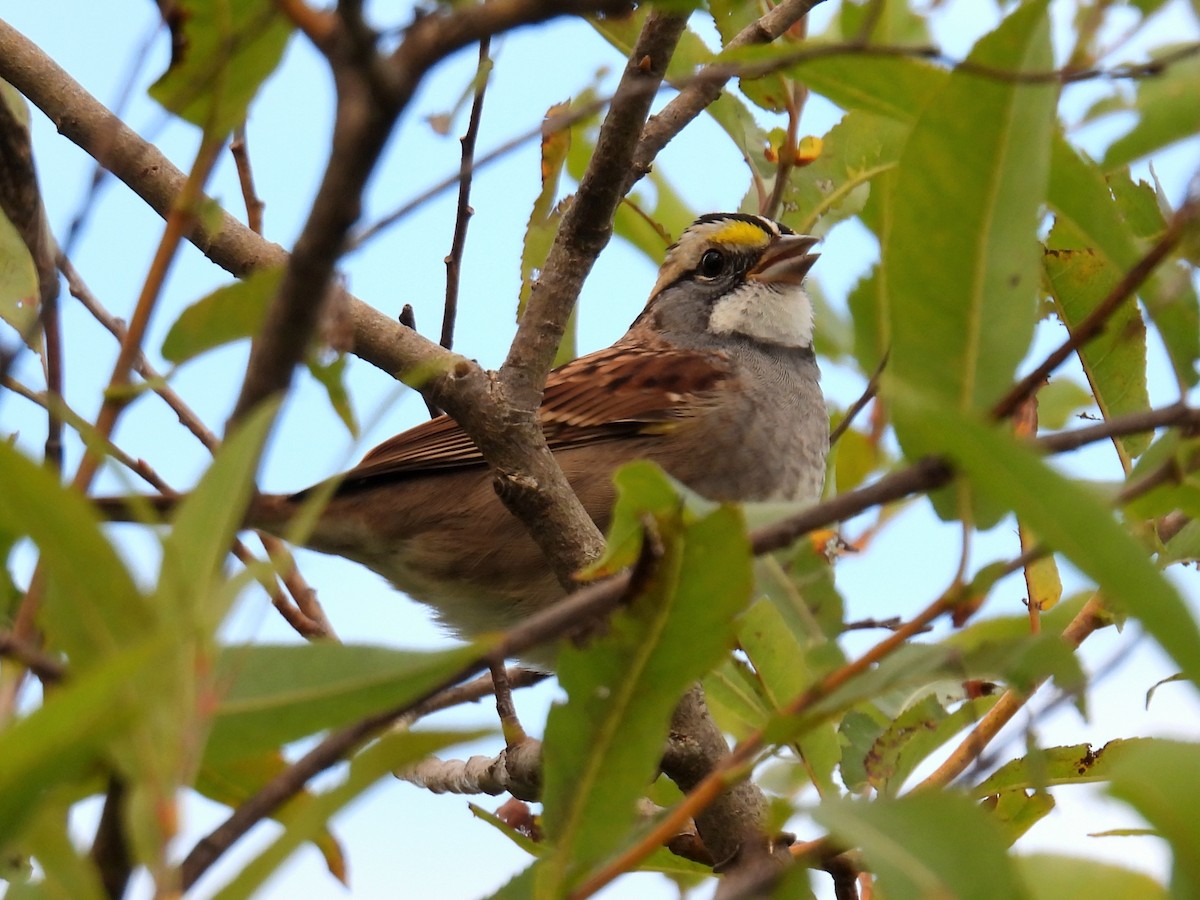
(179, 222)
(860, 404)
(304, 612)
(241, 160)
(47, 668)
(464, 211)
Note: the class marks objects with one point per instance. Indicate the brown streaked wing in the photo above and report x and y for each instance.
(595, 397)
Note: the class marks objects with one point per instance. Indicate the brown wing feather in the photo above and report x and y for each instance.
(597, 397)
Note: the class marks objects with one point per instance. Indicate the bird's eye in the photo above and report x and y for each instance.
(712, 263)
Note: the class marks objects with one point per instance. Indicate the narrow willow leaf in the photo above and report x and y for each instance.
(1183, 546)
(18, 284)
(1167, 112)
(604, 744)
(978, 156)
(229, 47)
(544, 220)
(1169, 295)
(913, 735)
(332, 376)
(278, 694)
(1054, 877)
(204, 526)
(1069, 518)
(927, 845)
(784, 672)
(858, 730)
(1160, 779)
(92, 606)
(734, 698)
(1181, 456)
(68, 737)
(1115, 361)
(1077, 764)
(228, 314)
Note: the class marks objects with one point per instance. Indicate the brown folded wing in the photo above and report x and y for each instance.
(612, 392)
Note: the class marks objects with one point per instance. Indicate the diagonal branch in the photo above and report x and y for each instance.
(372, 92)
(707, 85)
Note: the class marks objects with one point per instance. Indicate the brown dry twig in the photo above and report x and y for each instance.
(464, 212)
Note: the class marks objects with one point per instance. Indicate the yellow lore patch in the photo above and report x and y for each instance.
(736, 233)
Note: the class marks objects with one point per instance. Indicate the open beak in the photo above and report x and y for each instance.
(786, 261)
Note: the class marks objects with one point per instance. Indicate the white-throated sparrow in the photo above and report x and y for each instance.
(715, 381)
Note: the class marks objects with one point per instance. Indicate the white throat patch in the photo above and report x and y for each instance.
(777, 314)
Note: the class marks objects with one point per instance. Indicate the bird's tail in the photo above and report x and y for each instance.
(269, 512)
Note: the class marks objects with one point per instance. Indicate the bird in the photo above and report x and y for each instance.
(716, 381)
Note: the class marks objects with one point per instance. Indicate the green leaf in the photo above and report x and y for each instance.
(18, 284)
(927, 845)
(895, 24)
(835, 187)
(959, 328)
(1049, 766)
(1085, 209)
(193, 585)
(871, 333)
(728, 111)
(278, 694)
(1160, 779)
(800, 584)
(1169, 295)
(1061, 400)
(228, 49)
(770, 92)
(228, 314)
(1115, 361)
(1183, 546)
(65, 871)
(859, 729)
(734, 698)
(1018, 811)
(331, 376)
(1168, 112)
(67, 737)
(1181, 457)
(913, 735)
(92, 606)
(897, 87)
(785, 672)
(234, 782)
(1054, 877)
(1069, 518)
(604, 744)
(394, 750)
